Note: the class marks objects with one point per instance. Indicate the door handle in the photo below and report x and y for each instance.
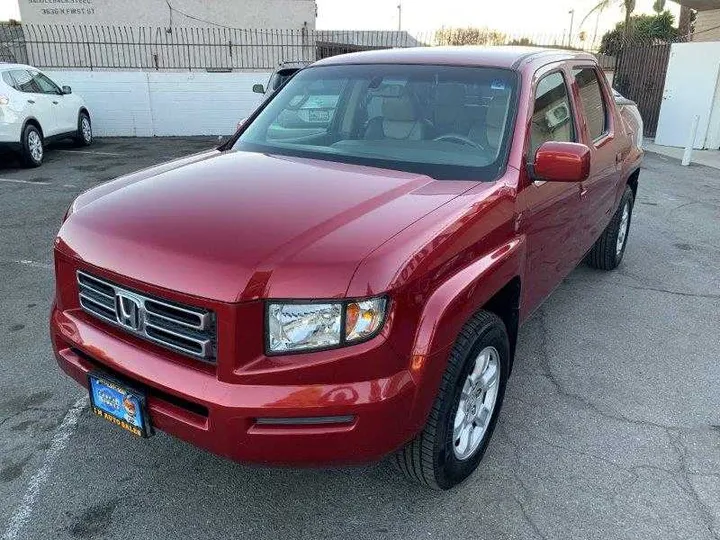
(31, 101)
(583, 190)
(618, 158)
(55, 102)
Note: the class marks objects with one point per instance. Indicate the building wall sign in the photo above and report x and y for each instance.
(218, 13)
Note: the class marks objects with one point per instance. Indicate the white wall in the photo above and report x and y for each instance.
(232, 13)
(146, 104)
(690, 90)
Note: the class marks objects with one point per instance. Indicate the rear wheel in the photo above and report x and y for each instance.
(84, 136)
(465, 411)
(33, 149)
(608, 250)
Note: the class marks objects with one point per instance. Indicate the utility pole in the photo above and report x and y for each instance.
(399, 6)
(572, 21)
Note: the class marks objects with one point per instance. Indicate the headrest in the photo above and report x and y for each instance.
(398, 109)
(450, 94)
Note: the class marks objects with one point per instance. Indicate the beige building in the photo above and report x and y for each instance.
(707, 24)
(279, 14)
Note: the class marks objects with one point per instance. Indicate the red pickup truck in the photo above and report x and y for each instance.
(345, 278)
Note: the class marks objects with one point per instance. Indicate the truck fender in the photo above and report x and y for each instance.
(447, 310)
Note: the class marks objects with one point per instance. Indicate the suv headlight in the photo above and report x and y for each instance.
(296, 326)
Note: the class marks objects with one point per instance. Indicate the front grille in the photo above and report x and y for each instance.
(184, 329)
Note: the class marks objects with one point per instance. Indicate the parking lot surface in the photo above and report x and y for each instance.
(610, 428)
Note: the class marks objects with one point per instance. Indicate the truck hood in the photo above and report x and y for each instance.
(240, 226)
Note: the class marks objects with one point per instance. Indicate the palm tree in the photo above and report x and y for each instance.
(659, 6)
(628, 6)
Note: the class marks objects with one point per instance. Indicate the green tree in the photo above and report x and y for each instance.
(643, 28)
(628, 7)
(469, 36)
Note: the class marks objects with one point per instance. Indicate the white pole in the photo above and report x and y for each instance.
(691, 141)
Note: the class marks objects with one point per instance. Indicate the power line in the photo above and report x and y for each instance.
(194, 18)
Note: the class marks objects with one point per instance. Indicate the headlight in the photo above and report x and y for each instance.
(297, 327)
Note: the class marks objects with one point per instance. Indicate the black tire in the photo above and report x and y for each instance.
(604, 255)
(31, 137)
(83, 137)
(430, 458)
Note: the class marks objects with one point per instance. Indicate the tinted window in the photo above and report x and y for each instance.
(552, 118)
(8, 79)
(45, 85)
(443, 121)
(593, 101)
(24, 81)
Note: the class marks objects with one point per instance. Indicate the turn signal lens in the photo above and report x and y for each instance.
(363, 318)
(4, 100)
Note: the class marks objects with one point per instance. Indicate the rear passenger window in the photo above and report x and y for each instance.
(552, 117)
(593, 101)
(24, 81)
(7, 78)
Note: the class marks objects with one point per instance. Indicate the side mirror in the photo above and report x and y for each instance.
(561, 162)
(66, 90)
(258, 88)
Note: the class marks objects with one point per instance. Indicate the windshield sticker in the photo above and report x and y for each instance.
(497, 84)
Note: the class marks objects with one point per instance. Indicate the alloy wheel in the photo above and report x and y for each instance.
(35, 146)
(86, 129)
(477, 403)
(623, 229)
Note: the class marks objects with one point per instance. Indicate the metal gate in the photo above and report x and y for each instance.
(640, 75)
(12, 43)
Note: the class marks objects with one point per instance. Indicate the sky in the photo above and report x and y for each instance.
(547, 18)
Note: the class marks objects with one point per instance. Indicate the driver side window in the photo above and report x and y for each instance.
(45, 85)
(552, 118)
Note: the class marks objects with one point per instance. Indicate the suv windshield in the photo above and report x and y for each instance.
(447, 122)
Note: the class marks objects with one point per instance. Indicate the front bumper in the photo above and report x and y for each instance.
(223, 417)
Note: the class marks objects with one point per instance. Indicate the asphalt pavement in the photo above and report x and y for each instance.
(610, 428)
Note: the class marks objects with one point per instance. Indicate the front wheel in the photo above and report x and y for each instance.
(608, 250)
(465, 411)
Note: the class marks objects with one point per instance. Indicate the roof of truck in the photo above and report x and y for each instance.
(503, 57)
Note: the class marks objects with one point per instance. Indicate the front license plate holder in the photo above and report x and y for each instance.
(119, 404)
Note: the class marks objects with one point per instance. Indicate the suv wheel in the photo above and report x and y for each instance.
(84, 136)
(609, 249)
(33, 150)
(465, 411)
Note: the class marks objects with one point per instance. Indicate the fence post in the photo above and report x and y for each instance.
(89, 50)
(691, 141)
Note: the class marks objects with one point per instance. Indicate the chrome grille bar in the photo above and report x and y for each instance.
(188, 330)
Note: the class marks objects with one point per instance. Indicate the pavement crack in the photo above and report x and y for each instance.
(550, 376)
(684, 482)
(648, 288)
(526, 491)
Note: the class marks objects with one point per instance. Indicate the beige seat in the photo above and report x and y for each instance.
(399, 121)
(449, 114)
(489, 132)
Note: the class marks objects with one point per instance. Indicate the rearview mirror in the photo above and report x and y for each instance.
(561, 162)
(66, 90)
(258, 88)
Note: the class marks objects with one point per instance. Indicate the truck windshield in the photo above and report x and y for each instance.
(447, 122)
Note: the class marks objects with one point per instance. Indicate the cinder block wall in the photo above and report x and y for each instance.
(146, 104)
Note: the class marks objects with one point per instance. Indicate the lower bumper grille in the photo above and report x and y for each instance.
(188, 330)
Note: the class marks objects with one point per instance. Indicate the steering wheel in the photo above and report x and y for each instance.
(461, 139)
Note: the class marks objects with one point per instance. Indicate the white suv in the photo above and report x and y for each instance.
(34, 111)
